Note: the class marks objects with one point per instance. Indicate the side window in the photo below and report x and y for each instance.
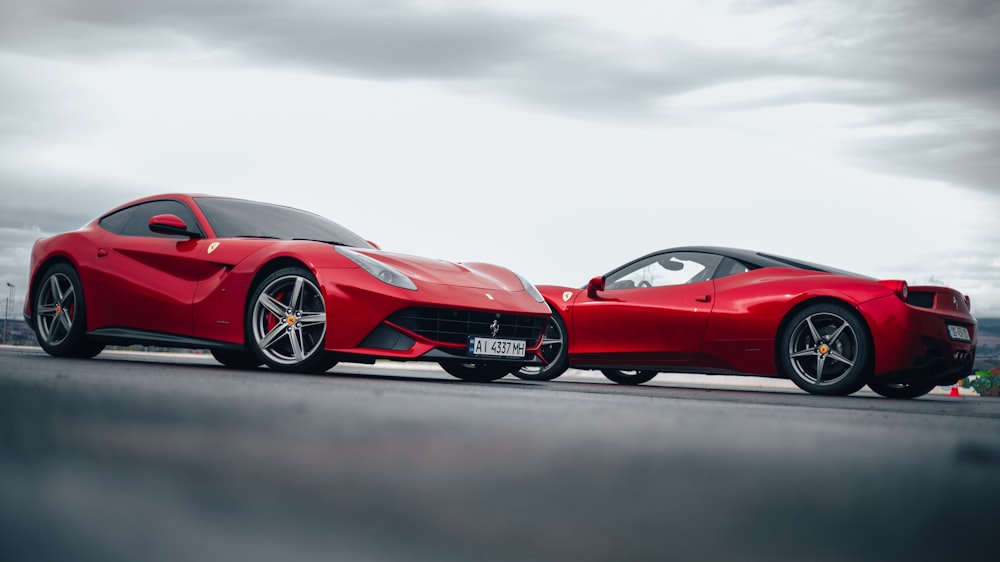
(728, 267)
(674, 268)
(116, 222)
(138, 222)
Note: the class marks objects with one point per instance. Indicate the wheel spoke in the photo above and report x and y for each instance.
(820, 362)
(46, 310)
(838, 357)
(837, 332)
(312, 318)
(48, 322)
(813, 331)
(273, 336)
(65, 321)
(293, 300)
(272, 305)
(295, 337)
(810, 352)
(57, 293)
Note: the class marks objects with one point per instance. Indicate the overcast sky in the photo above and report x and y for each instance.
(559, 138)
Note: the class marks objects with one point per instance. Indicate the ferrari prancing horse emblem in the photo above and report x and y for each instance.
(212, 247)
(567, 295)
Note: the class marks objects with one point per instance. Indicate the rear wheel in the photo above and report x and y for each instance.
(553, 352)
(60, 316)
(286, 322)
(902, 389)
(824, 350)
(236, 359)
(476, 372)
(629, 377)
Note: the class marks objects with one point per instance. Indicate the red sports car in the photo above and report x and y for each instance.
(260, 283)
(728, 311)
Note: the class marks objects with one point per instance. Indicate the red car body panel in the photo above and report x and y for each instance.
(199, 288)
(731, 324)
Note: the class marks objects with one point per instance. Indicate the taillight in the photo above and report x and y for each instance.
(899, 287)
(968, 302)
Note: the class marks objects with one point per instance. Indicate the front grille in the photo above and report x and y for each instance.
(455, 326)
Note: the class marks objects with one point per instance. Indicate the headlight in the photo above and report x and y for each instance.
(531, 289)
(378, 270)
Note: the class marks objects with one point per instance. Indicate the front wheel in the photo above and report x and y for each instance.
(60, 318)
(476, 372)
(628, 377)
(824, 350)
(901, 390)
(286, 322)
(553, 352)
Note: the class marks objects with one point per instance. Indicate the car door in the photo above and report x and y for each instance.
(143, 280)
(651, 312)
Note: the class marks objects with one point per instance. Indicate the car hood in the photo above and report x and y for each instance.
(441, 272)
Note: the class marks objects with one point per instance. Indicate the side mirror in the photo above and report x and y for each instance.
(171, 225)
(596, 284)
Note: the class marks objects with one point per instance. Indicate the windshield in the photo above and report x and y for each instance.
(238, 218)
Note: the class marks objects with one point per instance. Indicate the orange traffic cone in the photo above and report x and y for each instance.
(954, 392)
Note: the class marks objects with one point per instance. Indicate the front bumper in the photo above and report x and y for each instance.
(368, 320)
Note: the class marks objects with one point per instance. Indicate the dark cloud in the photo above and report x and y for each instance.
(913, 63)
(551, 60)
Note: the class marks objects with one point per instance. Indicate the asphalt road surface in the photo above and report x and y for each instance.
(173, 458)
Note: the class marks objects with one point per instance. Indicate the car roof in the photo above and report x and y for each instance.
(759, 259)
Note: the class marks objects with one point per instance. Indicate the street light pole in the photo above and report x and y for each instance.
(6, 311)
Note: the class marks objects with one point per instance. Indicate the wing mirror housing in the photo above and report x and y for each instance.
(596, 284)
(171, 225)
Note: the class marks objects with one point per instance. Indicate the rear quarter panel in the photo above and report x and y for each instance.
(751, 309)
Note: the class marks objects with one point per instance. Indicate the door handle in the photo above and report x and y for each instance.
(706, 298)
(101, 252)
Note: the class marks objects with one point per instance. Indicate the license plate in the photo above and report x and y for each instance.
(492, 347)
(959, 333)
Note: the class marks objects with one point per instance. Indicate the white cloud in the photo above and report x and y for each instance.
(558, 138)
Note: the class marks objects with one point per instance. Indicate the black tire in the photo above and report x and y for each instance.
(629, 377)
(553, 350)
(824, 349)
(477, 372)
(236, 359)
(286, 322)
(59, 315)
(901, 390)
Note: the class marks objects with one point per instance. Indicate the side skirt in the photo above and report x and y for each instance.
(128, 336)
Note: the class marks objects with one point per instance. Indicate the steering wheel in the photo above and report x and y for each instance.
(644, 284)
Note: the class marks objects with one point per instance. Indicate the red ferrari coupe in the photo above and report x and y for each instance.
(728, 311)
(259, 283)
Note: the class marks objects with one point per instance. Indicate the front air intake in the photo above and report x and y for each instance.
(455, 326)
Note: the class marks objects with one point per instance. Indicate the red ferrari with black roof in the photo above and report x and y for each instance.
(730, 311)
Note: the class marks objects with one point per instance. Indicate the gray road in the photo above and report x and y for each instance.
(130, 457)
